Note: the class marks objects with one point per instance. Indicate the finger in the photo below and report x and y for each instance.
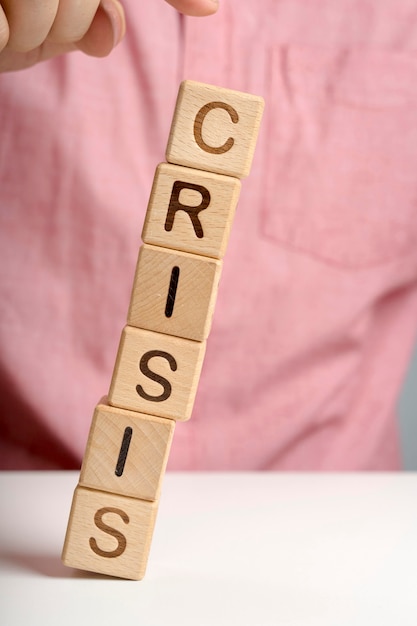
(107, 28)
(4, 29)
(72, 21)
(106, 31)
(29, 22)
(11, 60)
(196, 8)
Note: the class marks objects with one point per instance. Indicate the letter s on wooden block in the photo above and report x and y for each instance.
(109, 533)
(191, 210)
(146, 371)
(156, 374)
(113, 532)
(214, 129)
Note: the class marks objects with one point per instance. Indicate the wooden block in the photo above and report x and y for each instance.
(191, 210)
(126, 452)
(174, 293)
(109, 534)
(156, 374)
(214, 129)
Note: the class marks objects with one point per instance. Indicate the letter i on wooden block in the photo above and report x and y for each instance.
(161, 351)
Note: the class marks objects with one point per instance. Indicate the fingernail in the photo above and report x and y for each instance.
(115, 13)
(216, 4)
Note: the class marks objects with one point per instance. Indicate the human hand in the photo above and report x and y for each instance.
(34, 30)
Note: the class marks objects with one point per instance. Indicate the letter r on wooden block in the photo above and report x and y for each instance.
(174, 293)
(109, 534)
(156, 374)
(127, 452)
(191, 210)
(214, 129)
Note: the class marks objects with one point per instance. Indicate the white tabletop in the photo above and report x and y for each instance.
(228, 550)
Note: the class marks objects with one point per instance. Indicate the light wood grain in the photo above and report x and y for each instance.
(109, 534)
(161, 351)
(214, 129)
(156, 374)
(177, 195)
(126, 452)
(174, 293)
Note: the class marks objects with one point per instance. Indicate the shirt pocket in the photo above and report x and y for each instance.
(340, 179)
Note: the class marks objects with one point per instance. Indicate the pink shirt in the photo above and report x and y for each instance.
(317, 309)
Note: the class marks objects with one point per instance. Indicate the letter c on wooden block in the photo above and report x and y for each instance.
(214, 129)
(198, 126)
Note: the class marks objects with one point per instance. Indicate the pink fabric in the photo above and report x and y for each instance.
(317, 310)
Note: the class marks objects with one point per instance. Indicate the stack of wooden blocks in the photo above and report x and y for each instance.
(185, 235)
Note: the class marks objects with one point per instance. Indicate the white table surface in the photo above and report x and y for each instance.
(237, 549)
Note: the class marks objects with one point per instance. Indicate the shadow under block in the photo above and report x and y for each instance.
(127, 452)
(191, 210)
(214, 129)
(109, 534)
(174, 293)
(156, 374)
